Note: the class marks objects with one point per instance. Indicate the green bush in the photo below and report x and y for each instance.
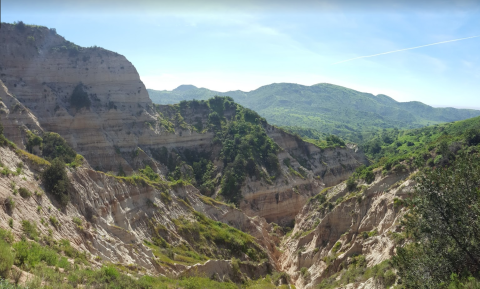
(472, 136)
(6, 236)
(55, 146)
(25, 193)
(10, 203)
(56, 181)
(110, 273)
(32, 253)
(63, 263)
(150, 174)
(20, 26)
(79, 98)
(336, 247)
(30, 230)
(6, 259)
(54, 222)
(77, 221)
(33, 141)
(351, 184)
(443, 225)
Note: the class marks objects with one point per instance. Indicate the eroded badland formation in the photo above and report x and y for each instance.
(149, 222)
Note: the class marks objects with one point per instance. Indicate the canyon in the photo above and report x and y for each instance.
(120, 129)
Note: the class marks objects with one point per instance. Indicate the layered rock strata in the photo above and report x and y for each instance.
(120, 126)
(361, 222)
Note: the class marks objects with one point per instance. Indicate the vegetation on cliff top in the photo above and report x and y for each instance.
(245, 148)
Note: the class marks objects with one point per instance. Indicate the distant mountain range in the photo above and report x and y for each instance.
(321, 109)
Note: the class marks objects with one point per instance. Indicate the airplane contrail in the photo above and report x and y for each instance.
(405, 49)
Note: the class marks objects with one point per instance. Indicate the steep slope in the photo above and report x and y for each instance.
(95, 100)
(41, 69)
(345, 236)
(340, 230)
(166, 178)
(326, 108)
(128, 221)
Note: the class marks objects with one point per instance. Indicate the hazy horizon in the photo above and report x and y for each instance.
(409, 51)
(433, 105)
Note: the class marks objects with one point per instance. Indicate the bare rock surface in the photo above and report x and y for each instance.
(318, 229)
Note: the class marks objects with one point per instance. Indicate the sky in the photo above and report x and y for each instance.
(242, 45)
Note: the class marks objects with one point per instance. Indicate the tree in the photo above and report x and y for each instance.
(473, 136)
(56, 181)
(444, 223)
(20, 26)
(79, 97)
(55, 146)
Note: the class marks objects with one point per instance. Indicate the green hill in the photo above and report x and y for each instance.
(324, 109)
(393, 143)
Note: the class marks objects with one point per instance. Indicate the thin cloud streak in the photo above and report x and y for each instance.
(405, 49)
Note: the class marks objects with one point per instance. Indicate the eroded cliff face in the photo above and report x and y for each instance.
(41, 69)
(117, 218)
(338, 225)
(121, 128)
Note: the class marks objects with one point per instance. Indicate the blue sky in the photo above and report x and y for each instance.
(229, 45)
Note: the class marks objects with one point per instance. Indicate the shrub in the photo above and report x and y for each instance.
(25, 193)
(351, 184)
(9, 203)
(54, 222)
(336, 247)
(6, 236)
(79, 98)
(150, 174)
(63, 263)
(77, 221)
(6, 259)
(473, 136)
(443, 225)
(30, 230)
(165, 197)
(109, 273)
(20, 26)
(304, 271)
(56, 181)
(369, 177)
(32, 253)
(55, 146)
(389, 278)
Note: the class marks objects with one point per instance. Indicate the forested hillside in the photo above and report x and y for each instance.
(320, 110)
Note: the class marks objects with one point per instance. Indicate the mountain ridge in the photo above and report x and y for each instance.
(327, 108)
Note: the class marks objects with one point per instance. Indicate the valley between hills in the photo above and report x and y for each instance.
(105, 184)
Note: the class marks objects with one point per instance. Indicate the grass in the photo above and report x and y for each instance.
(25, 193)
(358, 272)
(32, 158)
(77, 221)
(30, 230)
(336, 247)
(204, 232)
(54, 222)
(206, 239)
(77, 162)
(210, 201)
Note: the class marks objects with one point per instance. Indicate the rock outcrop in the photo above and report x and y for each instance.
(116, 215)
(338, 225)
